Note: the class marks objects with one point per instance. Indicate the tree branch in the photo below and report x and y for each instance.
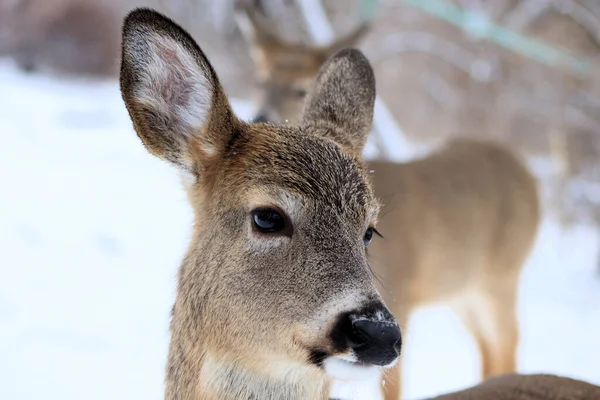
(573, 116)
(441, 92)
(444, 49)
(581, 15)
(525, 13)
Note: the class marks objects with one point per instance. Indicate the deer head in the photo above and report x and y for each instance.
(284, 71)
(275, 296)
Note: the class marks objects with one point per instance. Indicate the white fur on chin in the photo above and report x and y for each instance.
(344, 369)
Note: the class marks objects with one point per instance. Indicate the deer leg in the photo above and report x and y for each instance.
(491, 319)
(391, 382)
(391, 379)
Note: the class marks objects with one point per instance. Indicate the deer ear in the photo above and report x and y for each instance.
(172, 94)
(342, 98)
(260, 38)
(350, 40)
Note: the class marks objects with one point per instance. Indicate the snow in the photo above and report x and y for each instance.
(559, 317)
(92, 229)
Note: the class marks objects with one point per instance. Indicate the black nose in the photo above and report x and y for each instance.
(370, 333)
(375, 342)
(261, 117)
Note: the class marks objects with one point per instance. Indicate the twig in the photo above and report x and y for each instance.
(573, 116)
(441, 92)
(432, 44)
(581, 15)
(528, 11)
(525, 13)
(587, 101)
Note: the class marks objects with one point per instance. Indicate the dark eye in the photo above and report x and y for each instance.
(368, 236)
(299, 92)
(268, 220)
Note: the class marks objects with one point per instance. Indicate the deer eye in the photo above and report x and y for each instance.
(269, 221)
(368, 236)
(299, 92)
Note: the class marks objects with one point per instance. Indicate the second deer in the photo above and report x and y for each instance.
(527, 387)
(457, 225)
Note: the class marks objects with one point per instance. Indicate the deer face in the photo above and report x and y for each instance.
(284, 71)
(283, 81)
(276, 279)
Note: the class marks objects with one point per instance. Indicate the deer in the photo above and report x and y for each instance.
(271, 301)
(275, 297)
(457, 225)
(526, 387)
(285, 71)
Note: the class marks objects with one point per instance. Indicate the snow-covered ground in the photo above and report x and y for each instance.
(92, 229)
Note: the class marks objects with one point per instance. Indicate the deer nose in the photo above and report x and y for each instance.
(375, 341)
(261, 117)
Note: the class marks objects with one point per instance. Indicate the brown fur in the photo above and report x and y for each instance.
(253, 312)
(458, 225)
(527, 387)
(285, 71)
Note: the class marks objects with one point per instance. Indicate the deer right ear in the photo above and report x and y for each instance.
(343, 98)
(172, 94)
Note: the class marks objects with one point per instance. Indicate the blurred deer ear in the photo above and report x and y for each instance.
(343, 98)
(350, 40)
(260, 38)
(172, 94)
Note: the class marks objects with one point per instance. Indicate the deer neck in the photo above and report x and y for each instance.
(228, 380)
(212, 377)
(199, 368)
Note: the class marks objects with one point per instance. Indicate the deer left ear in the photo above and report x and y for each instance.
(343, 98)
(173, 96)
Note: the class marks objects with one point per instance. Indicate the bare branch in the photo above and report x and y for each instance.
(479, 70)
(440, 91)
(496, 9)
(581, 15)
(593, 6)
(573, 116)
(587, 101)
(472, 5)
(525, 13)
(581, 119)
(528, 11)
(490, 9)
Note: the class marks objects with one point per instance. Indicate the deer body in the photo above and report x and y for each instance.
(527, 387)
(275, 297)
(457, 225)
(454, 217)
